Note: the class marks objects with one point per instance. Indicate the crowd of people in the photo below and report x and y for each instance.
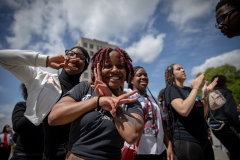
(67, 119)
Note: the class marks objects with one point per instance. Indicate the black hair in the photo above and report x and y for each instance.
(4, 128)
(222, 80)
(135, 69)
(24, 91)
(161, 95)
(234, 3)
(103, 54)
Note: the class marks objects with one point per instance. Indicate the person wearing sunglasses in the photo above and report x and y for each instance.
(45, 88)
(228, 17)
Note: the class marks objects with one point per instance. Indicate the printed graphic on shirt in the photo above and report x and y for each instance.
(104, 114)
(198, 102)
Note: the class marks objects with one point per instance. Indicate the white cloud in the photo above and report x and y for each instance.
(147, 49)
(6, 114)
(50, 22)
(4, 120)
(183, 13)
(232, 58)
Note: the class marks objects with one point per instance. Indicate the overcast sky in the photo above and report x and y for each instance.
(155, 33)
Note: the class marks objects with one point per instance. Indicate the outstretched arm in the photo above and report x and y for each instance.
(67, 109)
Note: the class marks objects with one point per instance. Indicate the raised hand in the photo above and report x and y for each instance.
(69, 63)
(112, 103)
(208, 88)
(198, 81)
(56, 62)
(100, 87)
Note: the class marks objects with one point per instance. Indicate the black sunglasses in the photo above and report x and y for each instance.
(71, 53)
(222, 18)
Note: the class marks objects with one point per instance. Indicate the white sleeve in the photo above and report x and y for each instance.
(23, 64)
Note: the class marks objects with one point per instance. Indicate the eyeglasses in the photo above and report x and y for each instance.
(71, 53)
(222, 18)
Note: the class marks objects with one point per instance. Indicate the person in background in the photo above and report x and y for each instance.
(154, 143)
(161, 99)
(228, 17)
(99, 123)
(228, 130)
(30, 140)
(45, 89)
(187, 124)
(6, 141)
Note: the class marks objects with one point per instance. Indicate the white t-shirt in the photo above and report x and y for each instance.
(149, 144)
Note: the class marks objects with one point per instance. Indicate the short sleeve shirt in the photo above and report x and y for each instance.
(193, 127)
(94, 135)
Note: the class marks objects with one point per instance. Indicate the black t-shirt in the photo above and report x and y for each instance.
(94, 135)
(193, 127)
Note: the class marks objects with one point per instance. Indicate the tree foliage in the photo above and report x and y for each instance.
(232, 74)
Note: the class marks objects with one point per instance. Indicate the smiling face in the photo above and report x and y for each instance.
(79, 64)
(113, 72)
(228, 18)
(140, 80)
(179, 74)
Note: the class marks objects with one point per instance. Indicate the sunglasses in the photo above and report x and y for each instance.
(71, 53)
(222, 18)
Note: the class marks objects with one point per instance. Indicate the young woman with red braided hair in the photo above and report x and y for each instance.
(100, 125)
(187, 125)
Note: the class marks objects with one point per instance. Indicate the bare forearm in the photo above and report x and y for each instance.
(184, 107)
(130, 127)
(65, 112)
(167, 141)
(205, 107)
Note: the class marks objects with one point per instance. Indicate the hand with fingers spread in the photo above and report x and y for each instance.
(112, 103)
(71, 63)
(100, 87)
(198, 81)
(56, 62)
(208, 88)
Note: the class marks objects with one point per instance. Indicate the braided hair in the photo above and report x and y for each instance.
(103, 54)
(234, 3)
(169, 80)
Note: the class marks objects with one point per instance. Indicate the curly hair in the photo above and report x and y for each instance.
(169, 77)
(103, 54)
(234, 3)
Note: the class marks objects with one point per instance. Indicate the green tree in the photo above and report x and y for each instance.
(232, 74)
